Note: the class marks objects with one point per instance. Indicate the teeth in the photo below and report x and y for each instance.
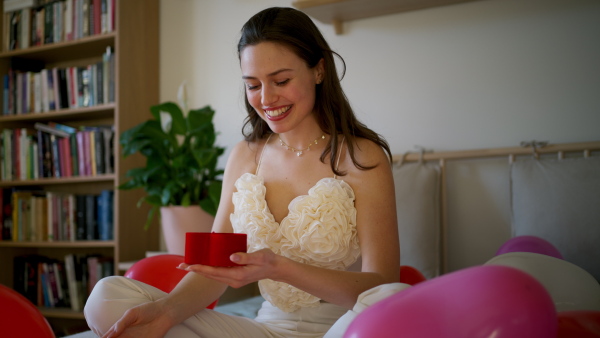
(277, 112)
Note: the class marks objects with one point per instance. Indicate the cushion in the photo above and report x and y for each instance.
(558, 200)
(417, 188)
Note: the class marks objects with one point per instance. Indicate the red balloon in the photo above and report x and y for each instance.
(484, 301)
(579, 324)
(20, 318)
(531, 244)
(160, 271)
(410, 275)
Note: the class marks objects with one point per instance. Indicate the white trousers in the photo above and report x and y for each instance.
(114, 295)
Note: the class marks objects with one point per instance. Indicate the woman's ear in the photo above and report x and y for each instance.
(320, 71)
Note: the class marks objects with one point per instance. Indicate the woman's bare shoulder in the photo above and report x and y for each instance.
(244, 157)
(368, 153)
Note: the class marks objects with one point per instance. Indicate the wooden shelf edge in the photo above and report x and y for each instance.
(58, 45)
(61, 313)
(58, 244)
(62, 180)
(338, 11)
(103, 109)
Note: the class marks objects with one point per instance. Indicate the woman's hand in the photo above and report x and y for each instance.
(145, 320)
(255, 266)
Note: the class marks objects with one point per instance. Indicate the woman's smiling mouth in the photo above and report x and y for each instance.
(277, 114)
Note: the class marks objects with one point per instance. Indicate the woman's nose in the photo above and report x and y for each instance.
(268, 96)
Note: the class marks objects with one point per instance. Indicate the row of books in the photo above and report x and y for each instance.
(56, 283)
(36, 215)
(31, 23)
(55, 150)
(33, 89)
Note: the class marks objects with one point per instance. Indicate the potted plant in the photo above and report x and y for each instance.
(181, 167)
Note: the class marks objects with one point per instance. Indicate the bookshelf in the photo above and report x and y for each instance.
(134, 43)
(336, 12)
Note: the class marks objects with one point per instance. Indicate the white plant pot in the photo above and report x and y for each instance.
(177, 220)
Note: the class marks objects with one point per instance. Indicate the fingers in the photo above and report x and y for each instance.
(110, 333)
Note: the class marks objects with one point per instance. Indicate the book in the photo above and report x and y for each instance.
(50, 90)
(54, 283)
(68, 20)
(85, 96)
(14, 5)
(50, 217)
(19, 199)
(66, 156)
(87, 157)
(63, 97)
(26, 276)
(40, 215)
(80, 153)
(61, 282)
(55, 156)
(48, 26)
(80, 218)
(91, 217)
(105, 215)
(76, 302)
(51, 130)
(74, 154)
(47, 165)
(71, 217)
(92, 151)
(93, 275)
(7, 149)
(25, 28)
(7, 226)
(99, 151)
(109, 158)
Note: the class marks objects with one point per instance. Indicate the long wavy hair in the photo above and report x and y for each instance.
(333, 112)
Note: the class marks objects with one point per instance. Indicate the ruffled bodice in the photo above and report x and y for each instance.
(320, 230)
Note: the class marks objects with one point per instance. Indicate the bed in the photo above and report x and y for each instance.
(455, 209)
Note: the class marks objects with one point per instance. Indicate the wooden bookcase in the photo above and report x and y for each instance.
(135, 45)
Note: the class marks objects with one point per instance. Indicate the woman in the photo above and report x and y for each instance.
(310, 185)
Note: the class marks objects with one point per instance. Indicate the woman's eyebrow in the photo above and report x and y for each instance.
(246, 77)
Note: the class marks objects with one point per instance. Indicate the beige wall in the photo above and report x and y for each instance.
(484, 74)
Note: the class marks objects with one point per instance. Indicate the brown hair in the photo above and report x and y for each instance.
(334, 114)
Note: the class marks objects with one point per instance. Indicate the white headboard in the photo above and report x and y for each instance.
(439, 193)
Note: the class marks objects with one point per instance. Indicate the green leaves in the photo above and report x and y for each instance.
(181, 158)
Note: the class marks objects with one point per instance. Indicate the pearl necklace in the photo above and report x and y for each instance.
(299, 152)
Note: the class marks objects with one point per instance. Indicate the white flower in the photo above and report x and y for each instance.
(166, 121)
(180, 139)
(182, 98)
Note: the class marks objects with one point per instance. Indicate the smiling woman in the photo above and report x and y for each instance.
(310, 186)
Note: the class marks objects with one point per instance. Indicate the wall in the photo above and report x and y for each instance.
(484, 74)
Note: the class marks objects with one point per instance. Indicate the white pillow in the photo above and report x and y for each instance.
(417, 203)
(558, 200)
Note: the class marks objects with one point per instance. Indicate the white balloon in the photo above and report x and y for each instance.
(571, 287)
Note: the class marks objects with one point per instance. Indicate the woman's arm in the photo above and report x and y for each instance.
(194, 292)
(377, 233)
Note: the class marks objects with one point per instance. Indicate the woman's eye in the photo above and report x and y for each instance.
(251, 87)
(281, 83)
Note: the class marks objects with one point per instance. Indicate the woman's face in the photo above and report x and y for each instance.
(279, 85)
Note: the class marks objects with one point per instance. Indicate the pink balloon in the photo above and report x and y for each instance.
(531, 244)
(478, 302)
